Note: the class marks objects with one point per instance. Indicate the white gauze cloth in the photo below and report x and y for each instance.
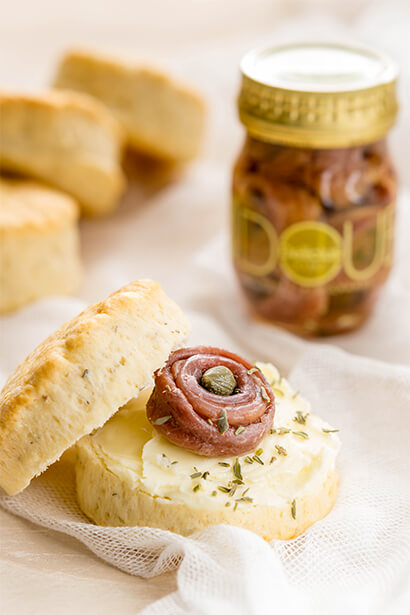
(357, 560)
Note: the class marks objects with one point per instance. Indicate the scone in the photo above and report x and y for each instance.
(79, 376)
(68, 140)
(39, 243)
(129, 474)
(159, 115)
(202, 435)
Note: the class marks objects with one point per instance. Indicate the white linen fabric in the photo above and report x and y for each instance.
(357, 560)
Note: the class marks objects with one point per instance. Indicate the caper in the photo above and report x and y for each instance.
(219, 380)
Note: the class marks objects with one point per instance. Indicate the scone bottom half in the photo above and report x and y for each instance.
(216, 440)
(75, 380)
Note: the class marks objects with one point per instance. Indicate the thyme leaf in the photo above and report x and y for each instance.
(222, 422)
(301, 434)
(236, 468)
(253, 370)
(224, 489)
(300, 417)
(258, 460)
(162, 420)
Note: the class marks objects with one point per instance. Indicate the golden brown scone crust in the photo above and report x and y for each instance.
(39, 243)
(160, 116)
(108, 500)
(79, 376)
(66, 139)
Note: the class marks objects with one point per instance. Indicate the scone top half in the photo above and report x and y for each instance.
(80, 375)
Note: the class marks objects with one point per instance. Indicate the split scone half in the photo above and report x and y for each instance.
(129, 474)
(80, 375)
(199, 436)
(39, 243)
(159, 115)
(66, 139)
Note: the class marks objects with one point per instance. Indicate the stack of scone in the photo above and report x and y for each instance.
(197, 436)
(72, 139)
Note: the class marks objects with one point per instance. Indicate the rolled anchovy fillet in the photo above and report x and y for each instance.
(201, 421)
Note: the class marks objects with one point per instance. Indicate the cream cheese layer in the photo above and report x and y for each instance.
(293, 460)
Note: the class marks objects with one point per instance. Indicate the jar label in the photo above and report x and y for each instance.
(311, 253)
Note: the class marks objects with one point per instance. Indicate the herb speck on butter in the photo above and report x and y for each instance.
(258, 460)
(301, 434)
(300, 417)
(224, 489)
(236, 468)
(245, 499)
(281, 431)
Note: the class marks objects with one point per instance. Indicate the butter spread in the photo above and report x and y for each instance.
(293, 460)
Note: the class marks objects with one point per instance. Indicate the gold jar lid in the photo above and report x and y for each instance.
(318, 94)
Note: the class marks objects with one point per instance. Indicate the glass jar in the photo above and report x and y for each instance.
(314, 187)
